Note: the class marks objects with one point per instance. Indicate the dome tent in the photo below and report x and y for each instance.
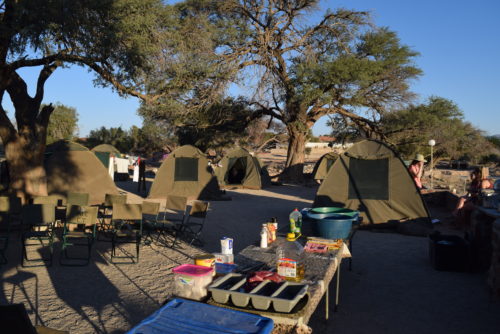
(106, 148)
(371, 177)
(71, 167)
(323, 165)
(185, 172)
(241, 169)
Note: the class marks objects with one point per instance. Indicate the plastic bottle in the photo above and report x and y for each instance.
(295, 222)
(290, 259)
(263, 236)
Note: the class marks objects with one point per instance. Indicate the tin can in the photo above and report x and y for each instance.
(226, 245)
(205, 260)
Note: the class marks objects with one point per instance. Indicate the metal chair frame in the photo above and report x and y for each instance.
(192, 230)
(126, 216)
(86, 218)
(105, 213)
(178, 205)
(38, 224)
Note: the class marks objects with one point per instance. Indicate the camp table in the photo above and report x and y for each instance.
(319, 271)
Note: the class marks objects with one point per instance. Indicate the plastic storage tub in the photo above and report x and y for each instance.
(191, 281)
(184, 316)
(333, 228)
(332, 222)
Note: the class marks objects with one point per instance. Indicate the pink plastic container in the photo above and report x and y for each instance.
(191, 281)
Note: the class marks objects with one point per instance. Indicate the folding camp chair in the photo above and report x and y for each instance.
(127, 227)
(150, 212)
(173, 218)
(15, 319)
(79, 230)
(38, 223)
(105, 210)
(4, 227)
(192, 229)
(81, 199)
(53, 200)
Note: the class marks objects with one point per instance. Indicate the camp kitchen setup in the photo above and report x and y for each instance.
(275, 283)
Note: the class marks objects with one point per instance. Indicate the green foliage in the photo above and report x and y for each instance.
(494, 140)
(152, 137)
(308, 150)
(63, 124)
(113, 136)
(439, 119)
(218, 126)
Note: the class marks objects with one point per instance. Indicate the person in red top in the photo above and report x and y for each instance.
(416, 169)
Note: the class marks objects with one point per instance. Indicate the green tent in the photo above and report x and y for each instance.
(104, 151)
(185, 172)
(71, 167)
(240, 169)
(370, 177)
(323, 165)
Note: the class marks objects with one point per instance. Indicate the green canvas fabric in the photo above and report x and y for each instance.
(73, 169)
(256, 177)
(108, 149)
(164, 184)
(103, 157)
(323, 165)
(404, 199)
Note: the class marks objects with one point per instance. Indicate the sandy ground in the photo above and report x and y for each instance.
(391, 289)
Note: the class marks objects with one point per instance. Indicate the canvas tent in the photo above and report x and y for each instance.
(112, 159)
(71, 167)
(185, 172)
(107, 148)
(370, 177)
(323, 165)
(240, 169)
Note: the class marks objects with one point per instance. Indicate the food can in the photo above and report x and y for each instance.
(205, 260)
(226, 245)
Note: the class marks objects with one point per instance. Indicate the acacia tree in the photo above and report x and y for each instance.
(63, 123)
(110, 37)
(440, 119)
(341, 65)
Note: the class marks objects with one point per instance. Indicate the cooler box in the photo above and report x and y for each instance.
(184, 316)
(449, 252)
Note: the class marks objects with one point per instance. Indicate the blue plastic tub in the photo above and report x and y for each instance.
(184, 316)
(332, 222)
(323, 212)
(333, 228)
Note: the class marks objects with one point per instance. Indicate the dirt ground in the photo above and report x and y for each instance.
(391, 289)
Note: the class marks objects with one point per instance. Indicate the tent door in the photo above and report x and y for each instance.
(237, 171)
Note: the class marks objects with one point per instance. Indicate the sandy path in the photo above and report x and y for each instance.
(392, 288)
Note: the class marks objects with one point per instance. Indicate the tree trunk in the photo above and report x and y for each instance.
(294, 167)
(26, 170)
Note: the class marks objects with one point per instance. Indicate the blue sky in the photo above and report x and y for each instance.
(458, 42)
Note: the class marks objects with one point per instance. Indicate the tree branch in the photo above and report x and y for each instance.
(7, 130)
(45, 73)
(263, 110)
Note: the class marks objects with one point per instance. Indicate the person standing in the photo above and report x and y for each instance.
(416, 169)
(142, 175)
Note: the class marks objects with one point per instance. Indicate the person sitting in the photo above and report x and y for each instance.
(416, 169)
(467, 203)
